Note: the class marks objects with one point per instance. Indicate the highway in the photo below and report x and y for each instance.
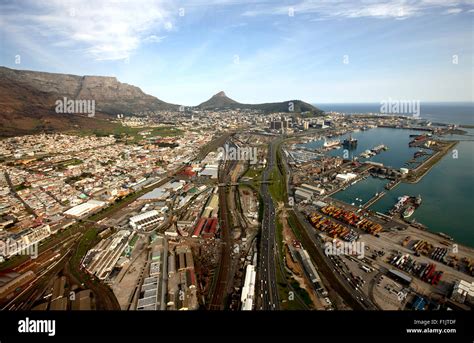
(267, 281)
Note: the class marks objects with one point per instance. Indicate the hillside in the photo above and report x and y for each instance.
(220, 101)
(27, 101)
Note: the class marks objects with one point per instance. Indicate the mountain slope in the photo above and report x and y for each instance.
(220, 101)
(27, 101)
(110, 95)
(25, 110)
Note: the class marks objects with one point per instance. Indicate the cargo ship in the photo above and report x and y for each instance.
(350, 143)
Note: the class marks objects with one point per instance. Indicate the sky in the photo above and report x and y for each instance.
(183, 52)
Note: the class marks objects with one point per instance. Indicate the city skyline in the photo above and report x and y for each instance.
(317, 52)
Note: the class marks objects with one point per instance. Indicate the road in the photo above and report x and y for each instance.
(267, 281)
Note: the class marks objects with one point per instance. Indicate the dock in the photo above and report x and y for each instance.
(374, 199)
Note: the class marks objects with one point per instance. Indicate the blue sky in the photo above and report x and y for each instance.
(256, 51)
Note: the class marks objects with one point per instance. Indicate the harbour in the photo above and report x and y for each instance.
(451, 174)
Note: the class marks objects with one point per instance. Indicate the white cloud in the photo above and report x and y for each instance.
(154, 39)
(105, 30)
(395, 9)
(453, 11)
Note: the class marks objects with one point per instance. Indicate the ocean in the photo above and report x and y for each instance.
(442, 112)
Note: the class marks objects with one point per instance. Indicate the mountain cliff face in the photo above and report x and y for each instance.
(220, 101)
(110, 95)
(26, 110)
(28, 101)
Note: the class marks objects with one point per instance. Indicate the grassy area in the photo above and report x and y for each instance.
(88, 240)
(302, 293)
(286, 302)
(277, 185)
(132, 134)
(253, 173)
(71, 162)
(292, 221)
(19, 187)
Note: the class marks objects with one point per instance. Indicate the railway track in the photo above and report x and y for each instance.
(224, 276)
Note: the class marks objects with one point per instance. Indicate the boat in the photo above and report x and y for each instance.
(367, 154)
(418, 200)
(379, 148)
(331, 144)
(442, 234)
(403, 198)
(350, 143)
(401, 201)
(408, 211)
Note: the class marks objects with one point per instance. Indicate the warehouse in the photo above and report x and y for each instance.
(84, 209)
(145, 220)
(248, 291)
(399, 276)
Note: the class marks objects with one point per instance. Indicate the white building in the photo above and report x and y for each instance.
(314, 189)
(84, 208)
(145, 220)
(346, 177)
(248, 291)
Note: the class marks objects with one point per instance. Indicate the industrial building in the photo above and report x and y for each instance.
(303, 195)
(85, 209)
(345, 177)
(146, 220)
(399, 276)
(463, 292)
(248, 291)
(206, 227)
(154, 288)
(309, 266)
(101, 259)
(314, 189)
(182, 292)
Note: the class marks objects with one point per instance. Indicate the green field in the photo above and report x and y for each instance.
(132, 134)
